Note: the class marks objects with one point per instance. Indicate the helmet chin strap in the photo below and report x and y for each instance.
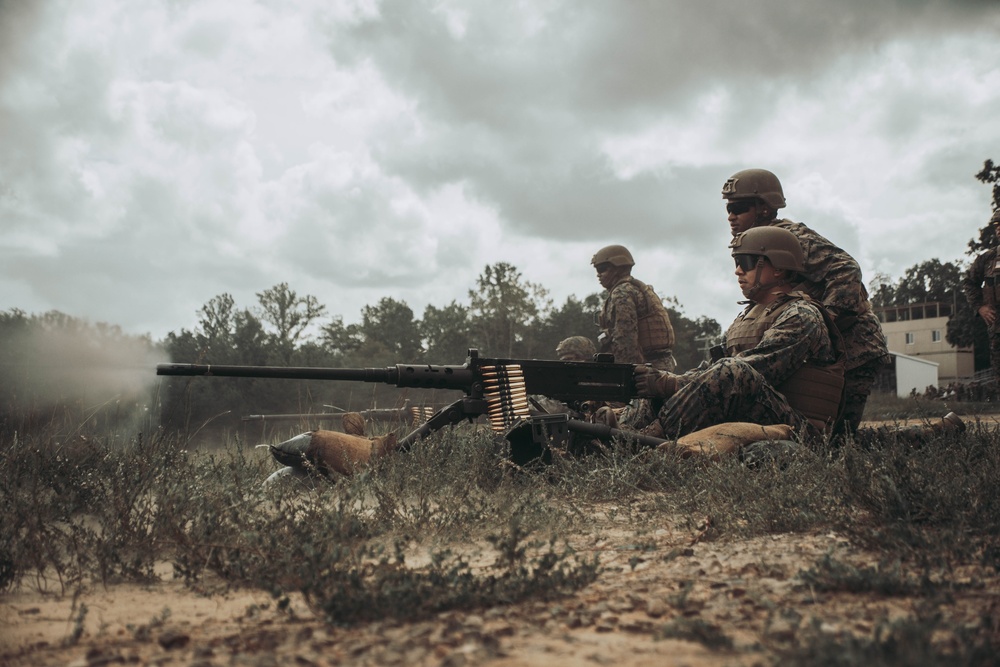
(757, 286)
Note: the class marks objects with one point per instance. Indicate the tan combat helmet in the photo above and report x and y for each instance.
(576, 348)
(616, 255)
(780, 246)
(755, 184)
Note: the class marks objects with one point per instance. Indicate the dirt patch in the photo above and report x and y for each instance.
(674, 598)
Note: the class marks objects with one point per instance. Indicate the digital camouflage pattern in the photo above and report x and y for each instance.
(834, 279)
(619, 320)
(858, 383)
(980, 284)
(576, 348)
(742, 387)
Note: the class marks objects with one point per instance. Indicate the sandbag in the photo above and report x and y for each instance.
(724, 439)
(332, 451)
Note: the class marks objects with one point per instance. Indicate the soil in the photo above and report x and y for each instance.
(681, 597)
(675, 599)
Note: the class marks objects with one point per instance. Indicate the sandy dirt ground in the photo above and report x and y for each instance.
(674, 599)
(680, 598)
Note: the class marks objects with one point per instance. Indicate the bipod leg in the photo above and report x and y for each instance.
(459, 411)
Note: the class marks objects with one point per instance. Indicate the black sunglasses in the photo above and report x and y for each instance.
(746, 262)
(739, 207)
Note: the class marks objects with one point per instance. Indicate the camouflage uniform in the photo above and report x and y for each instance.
(627, 303)
(742, 387)
(981, 284)
(834, 279)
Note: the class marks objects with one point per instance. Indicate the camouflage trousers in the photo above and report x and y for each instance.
(730, 390)
(857, 387)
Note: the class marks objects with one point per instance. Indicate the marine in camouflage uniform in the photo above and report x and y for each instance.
(635, 325)
(831, 277)
(783, 368)
(981, 284)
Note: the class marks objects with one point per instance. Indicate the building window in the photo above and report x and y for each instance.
(909, 339)
(936, 336)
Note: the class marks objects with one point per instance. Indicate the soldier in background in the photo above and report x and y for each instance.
(831, 277)
(783, 364)
(635, 325)
(576, 348)
(981, 285)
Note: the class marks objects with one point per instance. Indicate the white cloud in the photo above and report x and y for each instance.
(158, 154)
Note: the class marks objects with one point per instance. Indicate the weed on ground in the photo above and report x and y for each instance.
(454, 525)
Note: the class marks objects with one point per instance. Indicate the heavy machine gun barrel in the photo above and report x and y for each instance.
(401, 375)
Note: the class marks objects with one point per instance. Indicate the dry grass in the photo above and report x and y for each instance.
(452, 525)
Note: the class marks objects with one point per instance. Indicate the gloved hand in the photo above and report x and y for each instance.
(651, 383)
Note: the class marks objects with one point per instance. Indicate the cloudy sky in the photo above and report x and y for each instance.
(156, 154)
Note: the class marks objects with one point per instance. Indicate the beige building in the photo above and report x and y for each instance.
(918, 330)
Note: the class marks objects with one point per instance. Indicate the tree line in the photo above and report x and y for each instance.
(505, 316)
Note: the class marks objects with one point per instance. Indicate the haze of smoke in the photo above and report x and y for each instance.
(80, 372)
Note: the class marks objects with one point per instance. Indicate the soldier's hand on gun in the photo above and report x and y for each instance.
(988, 313)
(652, 383)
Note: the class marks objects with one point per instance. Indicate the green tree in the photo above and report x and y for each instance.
(990, 174)
(573, 318)
(342, 340)
(389, 332)
(251, 343)
(227, 334)
(504, 308)
(930, 281)
(447, 333)
(217, 326)
(289, 314)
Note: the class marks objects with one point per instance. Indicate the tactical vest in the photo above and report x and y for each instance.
(655, 333)
(991, 288)
(815, 391)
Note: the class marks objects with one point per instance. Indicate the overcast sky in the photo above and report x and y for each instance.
(154, 154)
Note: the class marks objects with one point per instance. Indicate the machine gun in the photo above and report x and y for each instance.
(500, 389)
